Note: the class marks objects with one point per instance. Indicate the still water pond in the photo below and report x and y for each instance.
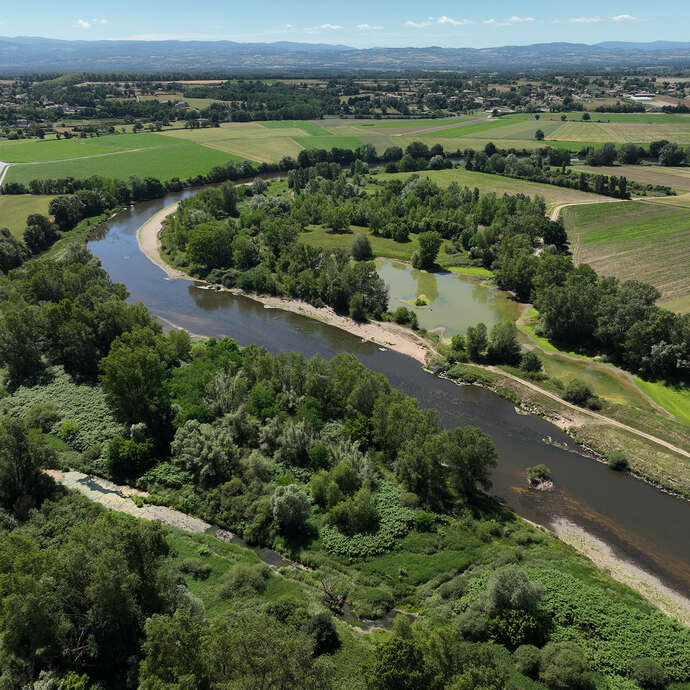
(454, 302)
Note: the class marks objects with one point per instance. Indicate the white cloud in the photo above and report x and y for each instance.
(490, 21)
(626, 18)
(322, 27)
(369, 27)
(418, 25)
(83, 24)
(99, 21)
(585, 20)
(453, 22)
(521, 20)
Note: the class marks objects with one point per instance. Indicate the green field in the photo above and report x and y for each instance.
(329, 142)
(468, 130)
(640, 240)
(675, 399)
(53, 150)
(181, 160)
(15, 209)
(501, 185)
(310, 128)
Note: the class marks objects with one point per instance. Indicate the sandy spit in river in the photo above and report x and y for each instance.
(383, 333)
(649, 586)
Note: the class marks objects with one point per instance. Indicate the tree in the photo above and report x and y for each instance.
(291, 508)
(134, 376)
(22, 483)
(210, 244)
(476, 341)
(586, 117)
(511, 588)
(39, 233)
(671, 154)
(471, 456)
(398, 664)
(578, 392)
(539, 135)
(429, 244)
(326, 639)
(503, 346)
(530, 362)
(358, 310)
(12, 252)
(361, 248)
(20, 351)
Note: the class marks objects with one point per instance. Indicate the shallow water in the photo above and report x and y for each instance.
(454, 301)
(641, 524)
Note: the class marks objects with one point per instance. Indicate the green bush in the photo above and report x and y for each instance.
(538, 472)
(42, 416)
(69, 430)
(617, 461)
(196, 568)
(515, 627)
(648, 674)
(526, 658)
(244, 580)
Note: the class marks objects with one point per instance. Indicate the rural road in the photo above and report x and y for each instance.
(4, 167)
(590, 413)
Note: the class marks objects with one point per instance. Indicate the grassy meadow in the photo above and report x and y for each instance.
(15, 209)
(640, 240)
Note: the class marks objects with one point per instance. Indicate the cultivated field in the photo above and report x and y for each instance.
(635, 240)
(502, 185)
(15, 209)
(676, 178)
(182, 160)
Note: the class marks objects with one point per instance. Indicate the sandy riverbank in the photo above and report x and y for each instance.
(383, 333)
(649, 586)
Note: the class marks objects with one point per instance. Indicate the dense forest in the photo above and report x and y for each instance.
(322, 460)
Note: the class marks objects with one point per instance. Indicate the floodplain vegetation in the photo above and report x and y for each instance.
(316, 459)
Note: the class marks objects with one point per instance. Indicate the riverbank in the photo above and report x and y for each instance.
(650, 587)
(385, 334)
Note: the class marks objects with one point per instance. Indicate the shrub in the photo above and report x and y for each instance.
(563, 667)
(321, 628)
(127, 458)
(42, 416)
(358, 311)
(515, 627)
(648, 674)
(69, 430)
(244, 580)
(196, 568)
(538, 473)
(617, 461)
(526, 658)
(579, 393)
(511, 588)
(530, 362)
(361, 248)
(424, 522)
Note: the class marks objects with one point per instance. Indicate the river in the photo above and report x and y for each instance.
(641, 524)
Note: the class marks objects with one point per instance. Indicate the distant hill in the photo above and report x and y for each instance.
(30, 55)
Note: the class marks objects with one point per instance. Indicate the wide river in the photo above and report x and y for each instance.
(640, 523)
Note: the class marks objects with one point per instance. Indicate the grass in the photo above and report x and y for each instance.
(15, 209)
(674, 398)
(467, 130)
(676, 178)
(471, 271)
(329, 142)
(500, 185)
(641, 240)
(52, 150)
(180, 160)
(319, 236)
(310, 128)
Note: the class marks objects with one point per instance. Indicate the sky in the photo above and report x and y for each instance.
(354, 23)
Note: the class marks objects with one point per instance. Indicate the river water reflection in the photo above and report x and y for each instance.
(640, 523)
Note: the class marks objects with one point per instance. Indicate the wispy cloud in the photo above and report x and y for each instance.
(369, 27)
(99, 21)
(490, 21)
(323, 27)
(83, 24)
(453, 22)
(627, 18)
(521, 20)
(585, 20)
(418, 25)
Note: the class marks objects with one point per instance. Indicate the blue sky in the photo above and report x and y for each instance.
(356, 23)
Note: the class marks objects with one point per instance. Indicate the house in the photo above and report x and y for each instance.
(182, 105)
